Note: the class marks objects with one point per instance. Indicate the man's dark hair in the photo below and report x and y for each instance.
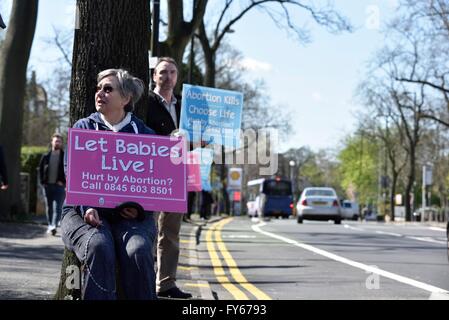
(166, 59)
(56, 135)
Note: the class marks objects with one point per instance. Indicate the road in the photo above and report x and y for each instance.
(281, 259)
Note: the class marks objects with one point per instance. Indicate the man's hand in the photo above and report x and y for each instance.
(4, 187)
(59, 183)
(129, 213)
(91, 217)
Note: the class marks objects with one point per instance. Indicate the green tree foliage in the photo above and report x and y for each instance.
(359, 168)
(321, 170)
(29, 159)
(39, 121)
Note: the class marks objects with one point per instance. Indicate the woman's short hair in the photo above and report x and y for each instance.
(128, 85)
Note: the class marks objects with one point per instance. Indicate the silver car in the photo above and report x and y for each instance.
(319, 204)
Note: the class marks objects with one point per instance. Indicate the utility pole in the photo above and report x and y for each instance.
(386, 184)
(155, 28)
(379, 180)
(192, 44)
(155, 17)
(423, 189)
(292, 165)
(426, 181)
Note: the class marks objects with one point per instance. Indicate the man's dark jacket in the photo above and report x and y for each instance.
(158, 118)
(44, 167)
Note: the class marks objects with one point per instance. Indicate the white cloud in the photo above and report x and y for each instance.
(256, 66)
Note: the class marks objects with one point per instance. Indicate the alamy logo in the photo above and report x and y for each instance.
(373, 17)
(73, 280)
(372, 282)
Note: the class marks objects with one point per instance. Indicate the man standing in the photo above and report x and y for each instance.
(52, 178)
(163, 117)
(3, 173)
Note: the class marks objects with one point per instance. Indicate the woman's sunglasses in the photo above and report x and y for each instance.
(106, 89)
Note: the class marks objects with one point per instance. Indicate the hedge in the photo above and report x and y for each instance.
(29, 159)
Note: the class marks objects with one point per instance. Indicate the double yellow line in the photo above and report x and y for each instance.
(215, 232)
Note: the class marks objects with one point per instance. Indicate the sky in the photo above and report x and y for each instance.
(313, 83)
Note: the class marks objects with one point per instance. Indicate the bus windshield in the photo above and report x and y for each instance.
(277, 188)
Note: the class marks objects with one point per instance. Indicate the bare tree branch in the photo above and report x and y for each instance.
(60, 45)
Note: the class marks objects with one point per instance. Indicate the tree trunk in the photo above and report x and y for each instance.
(209, 57)
(14, 58)
(209, 78)
(111, 34)
(69, 287)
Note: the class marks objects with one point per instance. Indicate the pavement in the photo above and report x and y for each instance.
(30, 260)
(189, 278)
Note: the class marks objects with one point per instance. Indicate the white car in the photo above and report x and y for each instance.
(349, 210)
(319, 204)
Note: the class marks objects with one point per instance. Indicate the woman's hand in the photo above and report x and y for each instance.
(91, 217)
(129, 213)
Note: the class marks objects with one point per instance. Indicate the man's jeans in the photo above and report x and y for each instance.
(127, 242)
(54, 193)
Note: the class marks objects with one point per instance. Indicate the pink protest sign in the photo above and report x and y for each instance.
(106, 169)
(193, 172)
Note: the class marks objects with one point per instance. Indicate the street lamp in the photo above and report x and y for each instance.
(292, 167)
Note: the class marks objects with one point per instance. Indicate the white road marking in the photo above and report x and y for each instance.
(389, 233)
(437, 229)
(439, 296)
(366, 268)
(243, 236)
(347, 226)
(427, 239)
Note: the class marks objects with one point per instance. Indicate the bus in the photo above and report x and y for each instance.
(269, 198)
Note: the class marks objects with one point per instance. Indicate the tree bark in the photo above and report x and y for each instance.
(14, 58)
(111, 34)
(209, 57)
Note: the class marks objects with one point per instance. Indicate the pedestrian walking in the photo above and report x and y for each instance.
(52, 179)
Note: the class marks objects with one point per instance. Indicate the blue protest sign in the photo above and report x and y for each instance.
(211, 115)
